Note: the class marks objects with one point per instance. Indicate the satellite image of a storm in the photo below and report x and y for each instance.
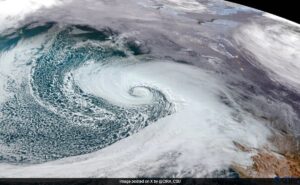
(147, 88)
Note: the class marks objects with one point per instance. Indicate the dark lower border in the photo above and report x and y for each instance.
(152, 181)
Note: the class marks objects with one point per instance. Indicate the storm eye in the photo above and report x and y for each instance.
(147, 88)
(77, 98)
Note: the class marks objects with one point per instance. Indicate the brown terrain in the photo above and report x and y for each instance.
(267, 164)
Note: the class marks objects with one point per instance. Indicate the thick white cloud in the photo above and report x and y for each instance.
(12, 11)
(276, 48)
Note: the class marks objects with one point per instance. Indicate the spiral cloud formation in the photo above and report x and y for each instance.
(143, 88)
